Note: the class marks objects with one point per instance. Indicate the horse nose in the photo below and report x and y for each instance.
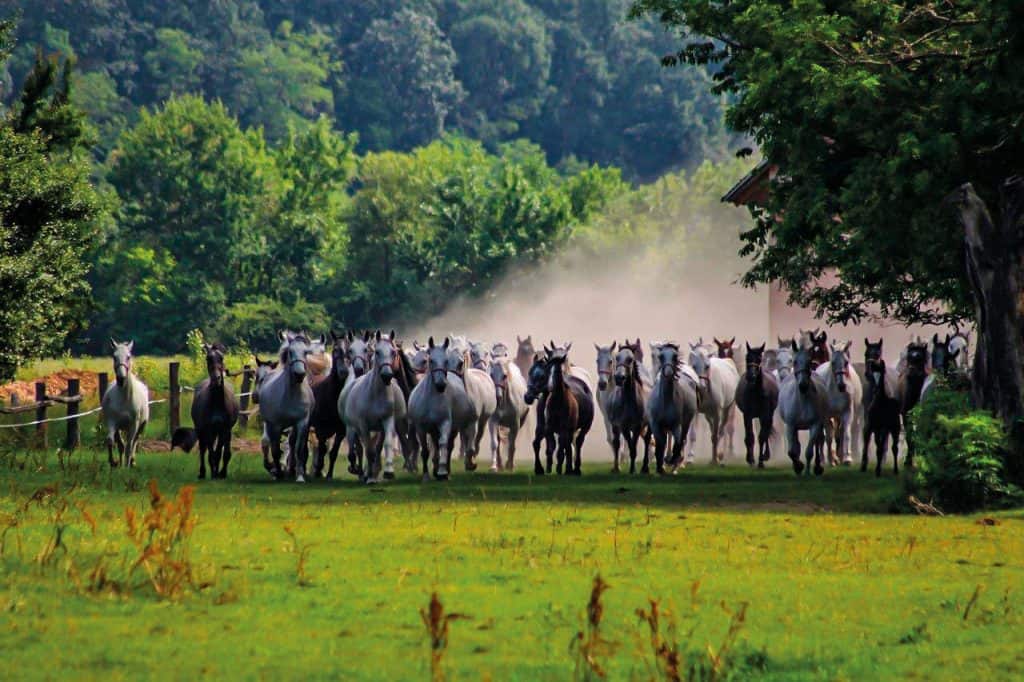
(603, 384)
(619, 379)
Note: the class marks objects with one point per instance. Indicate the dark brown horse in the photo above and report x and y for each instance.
(627, 405)
(757, 396)
(881, 408)
(569, 413)
(911, 383)
(818, 343)
(325, 421)
(537, 391)
(725, 348)
(214, 414)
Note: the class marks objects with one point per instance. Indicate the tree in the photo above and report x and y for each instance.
(875, 111)
(48, 214)
(198, 195)
(403, 90)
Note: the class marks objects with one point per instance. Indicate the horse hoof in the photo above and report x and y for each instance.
(441, 476)
(538, 471)
(470, 466)
(760, 465)
(798, 466)
(389, 475)
(202, 475)
(300, 479)
(818, 470)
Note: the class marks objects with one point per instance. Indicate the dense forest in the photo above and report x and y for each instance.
(255, 165)
(573, 76)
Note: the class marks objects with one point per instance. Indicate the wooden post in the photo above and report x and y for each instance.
(104, 382)
(73, 439)
(247, 374)
(41, 440)
(174, 399)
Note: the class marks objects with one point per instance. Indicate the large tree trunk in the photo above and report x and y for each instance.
(994, 252)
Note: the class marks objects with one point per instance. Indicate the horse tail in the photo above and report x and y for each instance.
(184, 438)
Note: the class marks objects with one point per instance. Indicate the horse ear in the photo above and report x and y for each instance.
(866, 342)
(568, 346)
(614, 344)
(717, 342)
(131, 345)
(795, 349)
(281, 335)
(323, 338)
(377, 336)
(935, 338)
(113, 343)
(392, 335)
(948, 339)
(446, 342)
(732, 341)
(748, 347)
(430, 343)
(519, 340)
(846, 348)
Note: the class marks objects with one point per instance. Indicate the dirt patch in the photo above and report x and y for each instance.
(56, 384)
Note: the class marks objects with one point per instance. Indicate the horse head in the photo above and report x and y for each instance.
(755, 358)
(436, 363)
(122, 355)
(625, 366)
(725, 348)
(479, 355)
(917, 358)
(339, 356)
(384, 357)
(499, 375)
(358, 354)
(537, 378)
(605, 362)
(802, 368)
(943, 357)
(293, 356)
(700, 360)
(524, 347)
(215, 362)
(668, 360)
(840, 363)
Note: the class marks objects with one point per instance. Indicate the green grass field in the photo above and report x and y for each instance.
(835, 587)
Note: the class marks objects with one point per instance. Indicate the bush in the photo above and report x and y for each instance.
(960, 454)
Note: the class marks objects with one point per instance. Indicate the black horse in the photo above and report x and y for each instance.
(757, 397)
(214, 415)
(325, 422)
(881, 408)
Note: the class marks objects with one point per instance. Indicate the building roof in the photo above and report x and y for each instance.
(753, 187)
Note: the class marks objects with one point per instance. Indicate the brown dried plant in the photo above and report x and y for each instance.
(162, 537)
(588, 645)
(436, 621)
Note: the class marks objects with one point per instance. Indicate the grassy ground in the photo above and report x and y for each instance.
(835, 587)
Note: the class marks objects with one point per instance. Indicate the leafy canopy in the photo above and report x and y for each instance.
(874, 111)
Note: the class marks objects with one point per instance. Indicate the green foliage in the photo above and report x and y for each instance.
(573, 76)
(875, 111)
(255, 322)
(960, 453)
(48, 215)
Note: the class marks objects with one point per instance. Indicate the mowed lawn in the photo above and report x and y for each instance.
(835, 587)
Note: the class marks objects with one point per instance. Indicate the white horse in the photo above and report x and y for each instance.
(376, 404)
(801, 403)
(718, 381)
(510, 411)
(125, 407)
(480, 389)
(286, 403)
(844, 397)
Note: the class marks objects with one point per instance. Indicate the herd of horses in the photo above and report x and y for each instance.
(378, 396)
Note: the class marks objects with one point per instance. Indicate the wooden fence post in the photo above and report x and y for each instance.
(104, 382)
(73, 439)
(243, 419)
(174, 400)
(41, 440)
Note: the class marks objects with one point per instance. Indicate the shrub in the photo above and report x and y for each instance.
(960, 454)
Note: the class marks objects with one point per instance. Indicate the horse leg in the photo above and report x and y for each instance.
(300, 452)
(225, 455)
(129, 445)
(814, 446)
(678, 442)
(111, 434)
(321, 455)
(715, 426)
(748, 437)
(632, 436)
(616, 446)
(660, 436)
(880, 446)
(549, 451)
(691, 436)
(793, 448)
(423, 438)
(764, 440)
(538, 468)
(646, 435)
(389, 445)
(119, 442)
(729, 430)
(355, 453)
(492, 426)
(513, 434)
(202, 456)
(578, 446)
(896, 448)
(848, 442)
(471, 445)
(333, 455)
(272, 434)
(865, 445)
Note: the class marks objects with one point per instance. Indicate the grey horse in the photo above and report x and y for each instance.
(286, 402)
(438, 410)
(801, 404)
(480, 389)
(627, 406)
(125, 407)
(672, 404)
(605, 389)
(376, 405)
